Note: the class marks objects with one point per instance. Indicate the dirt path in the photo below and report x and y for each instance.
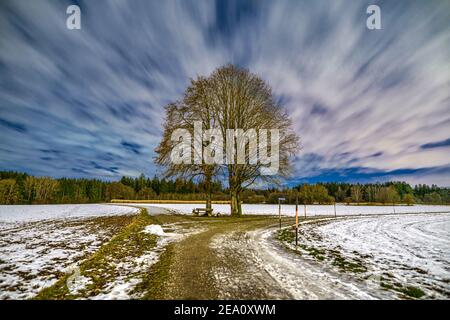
(200, 268)
(239, 259)
(273, 272)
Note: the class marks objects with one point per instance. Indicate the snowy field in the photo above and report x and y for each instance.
(29, 213)
(406, 250)
(392, 253)
(39, 243)
(311, 210)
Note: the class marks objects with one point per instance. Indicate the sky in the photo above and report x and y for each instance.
(368, 105)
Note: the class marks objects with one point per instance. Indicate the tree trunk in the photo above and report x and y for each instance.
(236, 209)
(208, 182)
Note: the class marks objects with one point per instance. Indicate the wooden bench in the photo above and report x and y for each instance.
(202, 211)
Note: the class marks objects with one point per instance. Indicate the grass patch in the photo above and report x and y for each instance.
(413, 292)
(286, 235)
(344, 264)
(352, 265)
(154, 282)
(100, 268)
(409, 291)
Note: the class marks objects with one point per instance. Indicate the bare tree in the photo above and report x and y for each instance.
(241, 100)
(194, 107)
(230, 100)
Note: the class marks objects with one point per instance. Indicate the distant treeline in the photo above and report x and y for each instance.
(21, 188)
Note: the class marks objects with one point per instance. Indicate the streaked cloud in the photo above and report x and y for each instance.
(438, 144)
(372, 105)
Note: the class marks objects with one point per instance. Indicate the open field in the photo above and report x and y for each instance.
(170, 201)
(123, 252)
(39, 243)
(311, 210)
(408, 255)
(34, 255)
(29, 213)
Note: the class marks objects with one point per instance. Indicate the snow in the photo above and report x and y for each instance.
(33, 255)
(289, 210)
(281, 274)
(119, 290)
(38, 243)
(129, 272)
(29, 213)
(414, 250)
(76, 282)
(155, 229)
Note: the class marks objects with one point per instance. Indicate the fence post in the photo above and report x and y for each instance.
(296, 221)
(279, 208)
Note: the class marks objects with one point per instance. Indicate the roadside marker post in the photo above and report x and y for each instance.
(296, 221)
(305, 209)
(335, 209)
(279, 208)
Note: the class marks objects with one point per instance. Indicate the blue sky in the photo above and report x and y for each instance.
(368, 105)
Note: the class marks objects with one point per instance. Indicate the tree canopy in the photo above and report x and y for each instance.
(237, 105)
